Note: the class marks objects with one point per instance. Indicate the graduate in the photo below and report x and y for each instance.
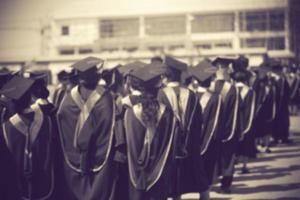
(85, 122)
(265, 109)
(223, 85)
(246, 113)
(27, 153)
(183, 103)
(281, 121)
(6, 108)
(149, 128)
(199, 78)
(59, 92)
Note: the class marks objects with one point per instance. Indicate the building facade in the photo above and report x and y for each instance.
(189, 30)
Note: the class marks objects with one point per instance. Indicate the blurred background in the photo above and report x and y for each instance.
(49, 35)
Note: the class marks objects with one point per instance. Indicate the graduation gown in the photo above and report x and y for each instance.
(186, 144)
(86, 136)
(294, 89)
(211, 106)
(281, 121)
(229, 122)
(26, 148)
(266, 110)
(59, 95)
(247, 111)
(148, 152)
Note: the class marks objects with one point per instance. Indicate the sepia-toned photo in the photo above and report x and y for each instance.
(149, 100)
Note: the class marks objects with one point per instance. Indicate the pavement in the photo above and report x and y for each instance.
(273, 176)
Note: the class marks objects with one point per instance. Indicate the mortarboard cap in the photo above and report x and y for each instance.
(175, 64)
(87, 64)
(62, 75)
(149, 73)
(202, 71)
(222, 61)
(128, 68)
(17, 87)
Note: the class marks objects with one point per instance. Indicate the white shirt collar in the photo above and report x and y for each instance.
(135, 92)
(201, 89)
(173, 84)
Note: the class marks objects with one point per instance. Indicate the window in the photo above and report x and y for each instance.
(253, 43)
(66, 51)
(176, 47)
(156, 48)
(272, 20)
(202, 46)
(276, 20)
(273, 43)
(223, 45)
(276, 43)
(165, 25)
(85, 50)
(130, 49)
(213, 23)
(110, 28)
(65, 30)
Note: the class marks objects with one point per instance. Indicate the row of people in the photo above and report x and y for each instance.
(137, 131)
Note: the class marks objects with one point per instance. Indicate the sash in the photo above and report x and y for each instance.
(67, 160)
(274, 105)
(85, 109)
(251, 114)
(126, 101)
(295, 89)
(214, 126)
(234, 114)
(172, 98)
(137, 112)
(179, 106)
(225, 90)
(34, 128)
(204, 100)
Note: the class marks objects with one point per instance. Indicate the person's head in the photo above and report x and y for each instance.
(147, 80)
(240, 76)
(156, 59)
(62, 77)
(87, 71)
(19, 91)
(174, 69)
(5, 76)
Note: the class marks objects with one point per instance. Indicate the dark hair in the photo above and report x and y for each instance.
(174, 75)
(148, 100)
(156, 59)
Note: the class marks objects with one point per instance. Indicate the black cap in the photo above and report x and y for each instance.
(112, 75)
(4, 71)
(262, 72)
(173, 63)
(17, 87)
(149, 73)
(87, 64)
(225, 62)
(128, 68)
(40, 77)
(62, 75)
(202, 71)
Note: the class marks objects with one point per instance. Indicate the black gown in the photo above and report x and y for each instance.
(27, 156)
(211, 106)
(281, 121)
(87, 169)
(188, 174)
(148, 153)
(247, 111)
(229, 122)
